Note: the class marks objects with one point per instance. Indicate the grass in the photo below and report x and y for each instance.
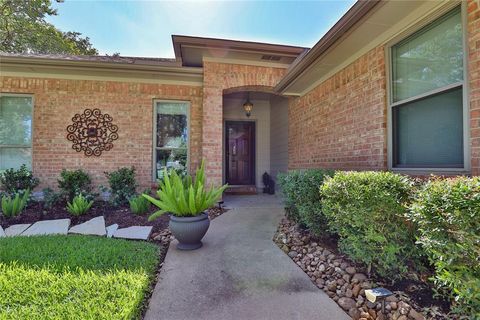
(74, 277)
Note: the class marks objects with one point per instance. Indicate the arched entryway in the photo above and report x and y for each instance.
(256, 143)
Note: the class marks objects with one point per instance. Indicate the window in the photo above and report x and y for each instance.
(427, 96)
(15, 131)
(171, 136)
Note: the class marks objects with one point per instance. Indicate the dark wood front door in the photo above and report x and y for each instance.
(240, 152)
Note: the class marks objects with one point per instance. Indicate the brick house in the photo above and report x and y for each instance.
(393, 85)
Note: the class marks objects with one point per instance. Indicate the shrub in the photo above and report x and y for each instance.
(139, 205)
(73, 183)
(12, 207)
(302, 197)
(50, 198)
(367, 211)
(447, 214)
(185, 197)
(122, 185)
(14, 181)
(79, 205)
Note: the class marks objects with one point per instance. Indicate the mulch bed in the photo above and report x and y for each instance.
(120, 215)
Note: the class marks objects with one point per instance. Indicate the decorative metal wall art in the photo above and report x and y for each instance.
(92, 132)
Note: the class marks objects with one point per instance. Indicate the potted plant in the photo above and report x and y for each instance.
(187, 200)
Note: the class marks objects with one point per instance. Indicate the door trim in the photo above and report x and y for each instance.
(253, 175)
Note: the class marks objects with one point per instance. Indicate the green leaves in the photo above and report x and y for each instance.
(185, 197)
(79, 205)
(139, 205)
(447, 215)
(75, 277)
(303, 199)
(14, 181)
(74, 182)
(366, 209)
(24, 29)
(122, 185)
(12, 207)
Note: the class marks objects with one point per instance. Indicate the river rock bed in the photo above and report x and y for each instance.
(344, 281)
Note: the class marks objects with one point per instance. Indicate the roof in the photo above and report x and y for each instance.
(192, 50)
(85, 58)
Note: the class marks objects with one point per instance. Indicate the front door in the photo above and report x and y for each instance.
(240, 152)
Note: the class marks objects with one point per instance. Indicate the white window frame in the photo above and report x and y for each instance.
(155, 148)
(465, 93)
(22, 95)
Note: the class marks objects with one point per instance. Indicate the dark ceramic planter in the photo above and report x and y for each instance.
(189, 231)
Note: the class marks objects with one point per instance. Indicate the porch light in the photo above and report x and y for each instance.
(248, 106)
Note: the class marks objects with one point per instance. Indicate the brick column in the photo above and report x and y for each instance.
(473, 40)
(212, 149)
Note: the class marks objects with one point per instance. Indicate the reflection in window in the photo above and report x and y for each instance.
(15, 131)
(430, 59)
(171, 149)
(427, 83)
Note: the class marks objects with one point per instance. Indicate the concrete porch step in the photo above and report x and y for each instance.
(241, 190)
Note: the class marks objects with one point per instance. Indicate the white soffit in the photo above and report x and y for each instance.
(386, 21)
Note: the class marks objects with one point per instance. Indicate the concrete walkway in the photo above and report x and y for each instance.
(239, 273)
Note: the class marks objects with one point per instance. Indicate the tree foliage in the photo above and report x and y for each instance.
(24, 29)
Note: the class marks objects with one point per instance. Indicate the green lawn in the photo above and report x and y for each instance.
(74, 277)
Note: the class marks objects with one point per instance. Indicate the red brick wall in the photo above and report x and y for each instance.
(56, 101)
(341, 124)
(217, 77)
(473, 39)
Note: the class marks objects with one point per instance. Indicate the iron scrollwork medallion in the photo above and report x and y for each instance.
(92, 132)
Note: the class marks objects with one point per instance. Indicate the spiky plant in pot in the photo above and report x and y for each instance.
(187, 200)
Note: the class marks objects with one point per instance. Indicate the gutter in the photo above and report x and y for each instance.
(346, 22)
(164, 67)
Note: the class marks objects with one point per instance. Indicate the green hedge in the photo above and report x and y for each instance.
(447, 213)
(366, 210)
(300, 189)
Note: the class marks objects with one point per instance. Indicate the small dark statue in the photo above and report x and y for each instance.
(269, 184)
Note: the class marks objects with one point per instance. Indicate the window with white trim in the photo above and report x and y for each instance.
(171, 136)
(427, 96)
(15, 131)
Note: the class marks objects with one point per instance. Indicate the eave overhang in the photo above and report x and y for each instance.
(158, 72)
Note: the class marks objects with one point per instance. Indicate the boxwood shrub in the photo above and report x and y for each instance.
(302, 197)
(367, 211)
(447, 214)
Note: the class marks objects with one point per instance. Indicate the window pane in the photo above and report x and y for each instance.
(172, 130)
(172, 136)
(429, 132)
(429, 59)
(15, 120)
(171, 158)
(15, 157)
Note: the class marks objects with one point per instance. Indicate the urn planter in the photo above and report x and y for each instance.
(189, 231)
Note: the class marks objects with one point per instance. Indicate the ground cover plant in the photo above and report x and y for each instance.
(139, 205)
(79, 205)
(74, 277)
(12, 206)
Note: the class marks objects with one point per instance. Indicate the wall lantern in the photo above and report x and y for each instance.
(248, 106)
